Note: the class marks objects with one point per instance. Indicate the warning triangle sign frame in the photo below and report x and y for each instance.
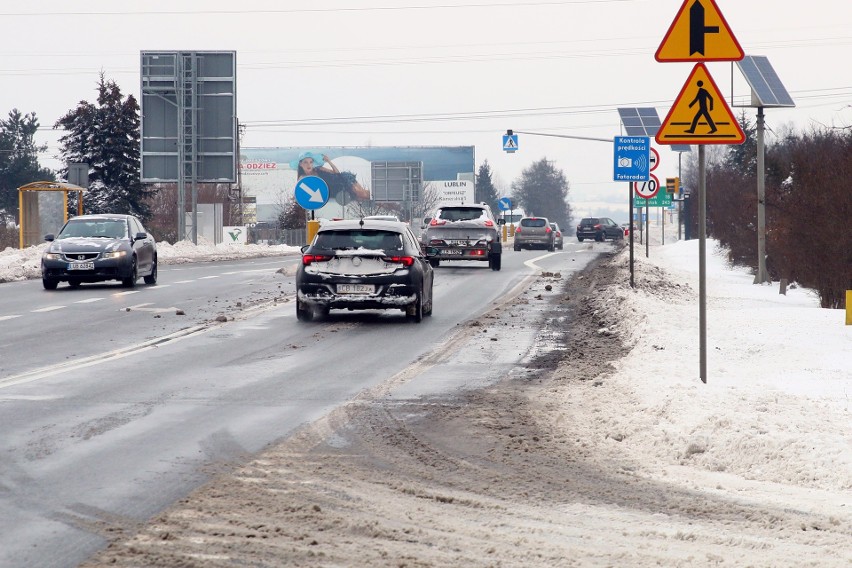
(690, 105)
(677, 43)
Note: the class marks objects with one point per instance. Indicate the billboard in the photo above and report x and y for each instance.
(189, 116)
(390, 173)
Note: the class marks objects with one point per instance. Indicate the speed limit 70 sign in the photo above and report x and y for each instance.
(647, 189)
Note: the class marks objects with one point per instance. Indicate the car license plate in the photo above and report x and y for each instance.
(452, 252)
(355, 289)
(81, 266)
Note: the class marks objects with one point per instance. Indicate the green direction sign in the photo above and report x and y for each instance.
(662, 199)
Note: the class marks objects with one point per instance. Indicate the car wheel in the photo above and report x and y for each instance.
(427, 309)
(561, 246)
(152, 278)
(517, 247)
(580, 239)
(74, 283)
(599, 238)
(435, 262)
(494, 261)
(49, 283)
(551, 247)
(130, 281)
(303, 312)
(415, 311)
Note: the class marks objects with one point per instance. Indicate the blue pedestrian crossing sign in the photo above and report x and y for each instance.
(510, 143)
(505, 204)
(311, 192)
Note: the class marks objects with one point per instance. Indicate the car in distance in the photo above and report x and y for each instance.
(534, 232)
(96, 248)
(599, 229)
(463, 232)
(364, 265)
(558, 240)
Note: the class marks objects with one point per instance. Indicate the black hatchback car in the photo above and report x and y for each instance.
(600, 229)
(95, 248)
(364, 265)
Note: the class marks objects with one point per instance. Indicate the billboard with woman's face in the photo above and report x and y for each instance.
(270, 174)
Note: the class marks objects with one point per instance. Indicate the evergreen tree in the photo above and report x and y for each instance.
(485, 190)
(106, 136)
(543, 190)
(18, 159)
(292, 216)
(742, 158)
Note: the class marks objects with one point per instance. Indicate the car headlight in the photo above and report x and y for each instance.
(52, 256)
(114, 254)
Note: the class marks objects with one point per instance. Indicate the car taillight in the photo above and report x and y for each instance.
(403, 260)
(489, 223)
(437, 222)
(597, 227)
(558, 233)
(518, 230)
(548, 230)
(307, 259)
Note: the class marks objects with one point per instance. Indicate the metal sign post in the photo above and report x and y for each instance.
(700, 114)
(702, 263)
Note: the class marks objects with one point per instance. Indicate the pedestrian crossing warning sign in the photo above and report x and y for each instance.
(510, 142)
(700, 114)
(699, 32)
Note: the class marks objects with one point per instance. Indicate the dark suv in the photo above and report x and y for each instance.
(600, 229)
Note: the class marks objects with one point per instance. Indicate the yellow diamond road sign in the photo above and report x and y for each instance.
(699, 32)
(700, 114)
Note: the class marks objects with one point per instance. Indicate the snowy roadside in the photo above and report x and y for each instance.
(610, 458)
(25, 264)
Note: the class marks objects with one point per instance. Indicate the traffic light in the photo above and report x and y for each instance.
(673, 185)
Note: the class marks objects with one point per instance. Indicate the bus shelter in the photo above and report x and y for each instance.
(43, 207)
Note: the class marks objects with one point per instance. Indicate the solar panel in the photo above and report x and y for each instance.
(766, 88)
(644, 121)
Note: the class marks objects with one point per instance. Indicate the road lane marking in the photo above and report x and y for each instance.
(4, 318)
(120, 294)
(84, 362)
(208, 277)
(47, 309)
(184, 281)
(145, 308)
(89, 301)
(90, 361)
(532, 262)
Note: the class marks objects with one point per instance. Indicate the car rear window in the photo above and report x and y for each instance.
(461, 213)
(590, 221)
(533, 222)
(359, 238)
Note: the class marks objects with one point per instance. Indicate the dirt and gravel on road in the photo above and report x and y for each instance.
(519, 473)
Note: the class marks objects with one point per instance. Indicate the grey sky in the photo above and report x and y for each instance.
(431, 72)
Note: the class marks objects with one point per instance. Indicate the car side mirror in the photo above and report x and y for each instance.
(303, 248)
(501, 221)
(49, 237)
(140, 236)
